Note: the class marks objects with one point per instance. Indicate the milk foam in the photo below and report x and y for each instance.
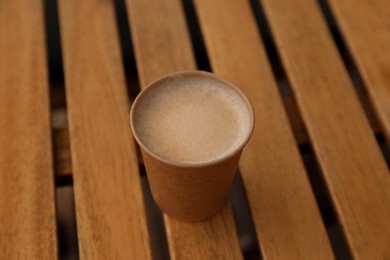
(192, 120)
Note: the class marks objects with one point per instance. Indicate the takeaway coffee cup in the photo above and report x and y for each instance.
(192, 127)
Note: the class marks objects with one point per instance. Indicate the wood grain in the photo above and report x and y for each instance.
(365, 25)
(353, 167)
(161, 38)
(27, 211)
(287, 220)
(162, 45)
(213, 238)
(110, 212)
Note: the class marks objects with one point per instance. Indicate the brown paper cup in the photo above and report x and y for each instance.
(191, 191)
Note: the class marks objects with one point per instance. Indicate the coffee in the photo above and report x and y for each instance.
(192, 119)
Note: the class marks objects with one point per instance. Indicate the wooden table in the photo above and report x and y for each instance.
(313, 182)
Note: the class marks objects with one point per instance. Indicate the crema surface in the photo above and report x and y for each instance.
(191, 120)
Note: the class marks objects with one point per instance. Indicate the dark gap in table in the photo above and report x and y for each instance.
(333, 227)
(353, 71)
(128, 57)
(385, 148)
(66, 223)
(318, 185)
(54, 43)
(276, 65)
(156, 226)
(198, 45)
(63, 180)
(329, 218)
(273, 55)
(64, 194)
(243, 220)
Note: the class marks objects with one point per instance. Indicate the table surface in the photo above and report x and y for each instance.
(313, 181)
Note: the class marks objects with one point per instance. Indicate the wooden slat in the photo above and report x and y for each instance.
(27, 212)
(214, 239)
(162, 45)
(353, 166)
(295, 120)
(110, 212)
(365, 25)
(283, 207)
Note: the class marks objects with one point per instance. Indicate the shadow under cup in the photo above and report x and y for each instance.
(191, 191)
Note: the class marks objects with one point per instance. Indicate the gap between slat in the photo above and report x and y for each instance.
(202, 61)
(243, 220)
(64, 194)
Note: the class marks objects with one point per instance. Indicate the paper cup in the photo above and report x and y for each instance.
(191, 191)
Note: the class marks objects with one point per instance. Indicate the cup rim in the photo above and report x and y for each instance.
(193, 73)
